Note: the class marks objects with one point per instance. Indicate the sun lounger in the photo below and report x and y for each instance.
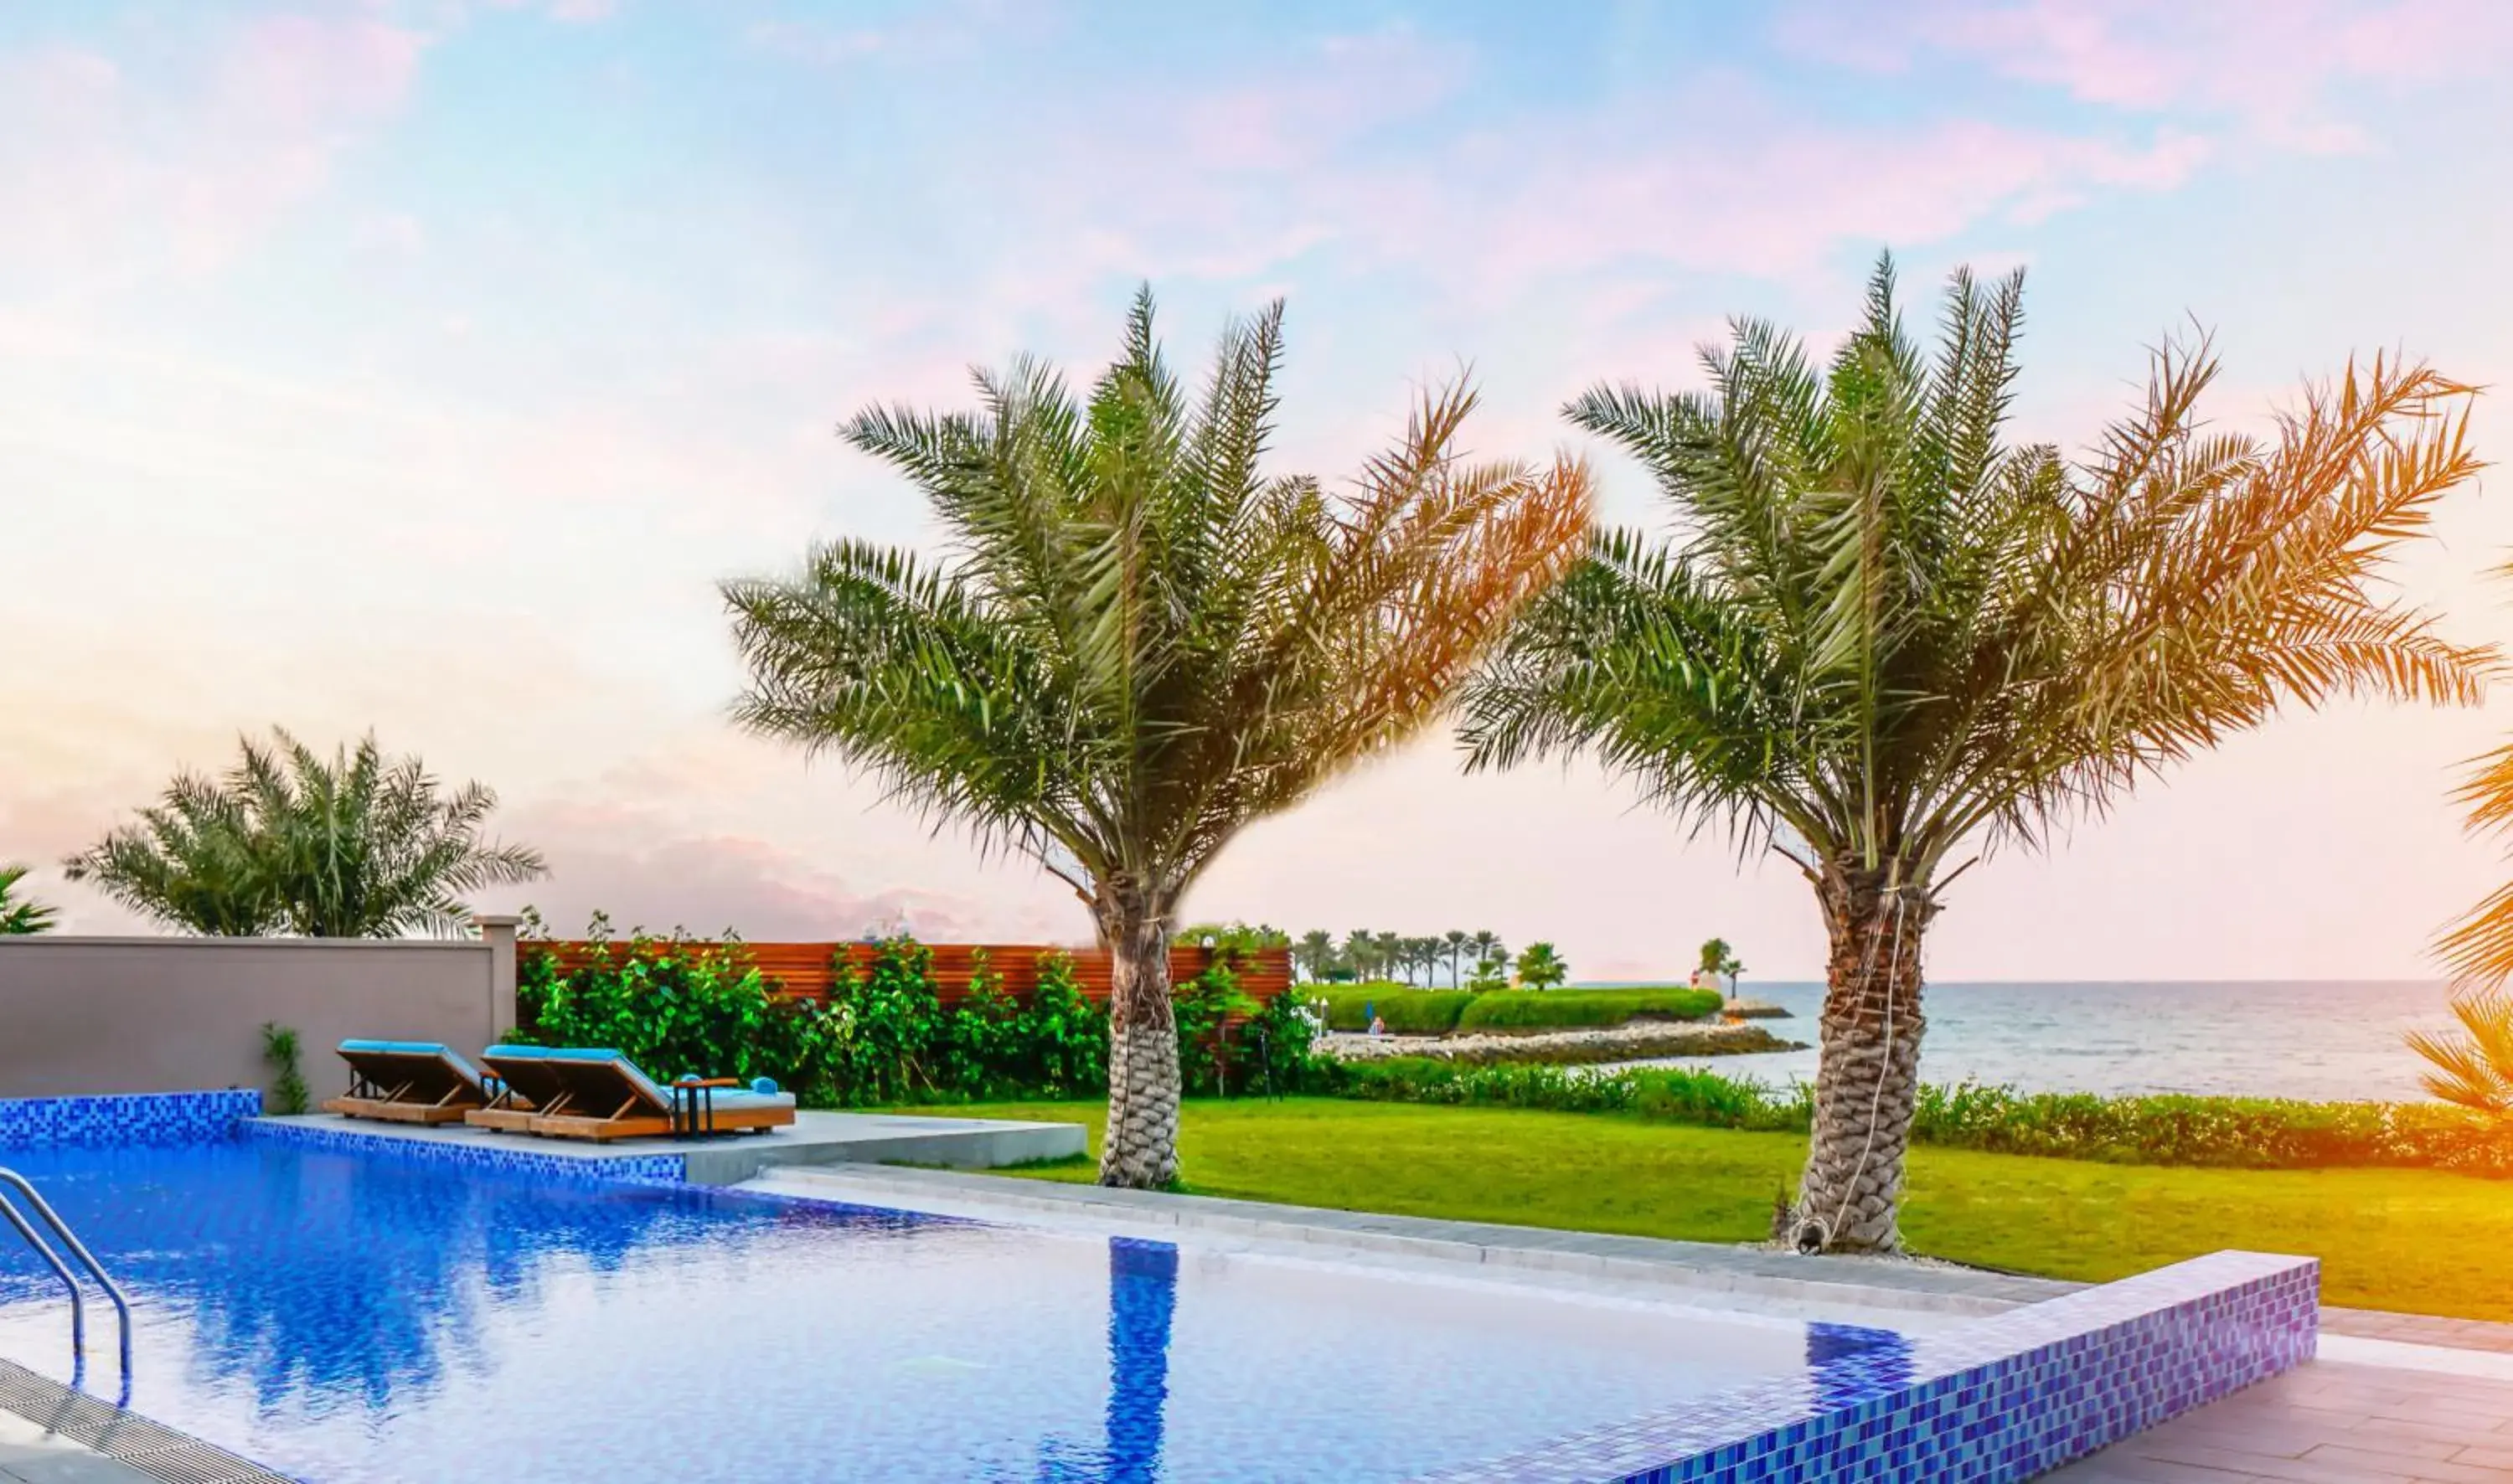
(598, 1094)
(408, 1082)
(527, 1086)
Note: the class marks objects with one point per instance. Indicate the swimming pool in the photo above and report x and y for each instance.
(353, 1319)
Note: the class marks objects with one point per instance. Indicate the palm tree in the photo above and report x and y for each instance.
(1140, 643)
(1719, 961)
(1486, 945)
(1388, 954)
(1456, 941)
(1887, 636)
(1360, 953)
(1540, 967)
(1314, 953)
(358, 846)
(2473, 1066)
(19, 916)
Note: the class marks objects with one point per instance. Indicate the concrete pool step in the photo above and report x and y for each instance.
(815, 1138)
(1891, 1285)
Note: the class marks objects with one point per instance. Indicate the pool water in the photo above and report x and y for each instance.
(346, 1318)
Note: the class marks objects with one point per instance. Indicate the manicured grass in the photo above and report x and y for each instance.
(2417, 1240)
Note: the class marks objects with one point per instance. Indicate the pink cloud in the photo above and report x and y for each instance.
(1258, 178)
(2272, 72)
(110, 173)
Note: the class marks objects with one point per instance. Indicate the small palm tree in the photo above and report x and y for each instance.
(19, 916)
(1540, 967)
(1719, 961)
(1141, 644)
(359, 845)
(1361, 953)
(2473, 1066)
(1887, 640)
(1455, 941)
(1486, 945)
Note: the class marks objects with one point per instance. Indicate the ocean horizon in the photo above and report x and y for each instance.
(2318, 1040)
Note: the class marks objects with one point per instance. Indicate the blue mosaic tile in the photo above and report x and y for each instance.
(123, 1121)
(632, 1169)
(2003, 1398)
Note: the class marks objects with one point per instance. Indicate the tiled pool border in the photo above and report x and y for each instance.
(125, 1118)
(631, 1169)
(2003, 1398)
(2000, 1398)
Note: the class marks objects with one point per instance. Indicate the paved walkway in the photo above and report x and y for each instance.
(2328, 1422)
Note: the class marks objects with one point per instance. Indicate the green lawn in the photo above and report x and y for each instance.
(2414, 1241)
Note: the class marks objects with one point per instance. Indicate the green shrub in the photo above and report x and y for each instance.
(2238, 1133)
(1568, 1009)
(279, 1048)
(675, 1005)
(1407, 1011)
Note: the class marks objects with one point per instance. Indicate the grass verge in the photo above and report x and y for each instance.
(2421, 1241)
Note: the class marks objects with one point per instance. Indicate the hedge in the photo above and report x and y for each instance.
(2225, 1133)
(1568, 1009)
(1407, 1012)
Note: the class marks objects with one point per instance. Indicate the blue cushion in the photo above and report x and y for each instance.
(660, 1099)
(438, 1049)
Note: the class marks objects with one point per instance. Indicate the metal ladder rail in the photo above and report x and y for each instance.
(87, 1260)
(78, 1309)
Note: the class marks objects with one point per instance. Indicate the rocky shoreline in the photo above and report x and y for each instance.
(1632, 1042)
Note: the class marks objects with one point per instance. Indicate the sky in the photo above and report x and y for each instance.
(422, 366)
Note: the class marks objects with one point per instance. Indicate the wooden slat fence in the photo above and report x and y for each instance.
(807, 970)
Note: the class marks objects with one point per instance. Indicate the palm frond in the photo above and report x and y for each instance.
(1141, 642)
(357, 845)
(2472, 1066)
(1888, 631)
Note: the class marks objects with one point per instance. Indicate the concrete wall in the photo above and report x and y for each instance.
(105, 1015)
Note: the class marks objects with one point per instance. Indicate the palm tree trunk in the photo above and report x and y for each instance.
(1867, 1081)
(1141, 1150)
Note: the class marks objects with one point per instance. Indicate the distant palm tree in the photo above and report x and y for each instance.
(1540, 967)
(1142, 642)
(1388, 951)
(358, 846)
(1314, 953)
(1890, 640)
(1719, 961)
(1486, 945)
(19, 916)
(1361, 953)
(2474, 1066)
(1456, 943)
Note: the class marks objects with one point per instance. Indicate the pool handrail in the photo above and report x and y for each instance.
(87, 1260)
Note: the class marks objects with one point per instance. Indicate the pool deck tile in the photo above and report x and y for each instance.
(2326, 1423)
(1709, 1266)
(2420, 1329)
(816, 1138)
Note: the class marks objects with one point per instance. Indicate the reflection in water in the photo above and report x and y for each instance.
(329, 1278)
(1142, 1295)
(1851, 1364)
(1142, 1300)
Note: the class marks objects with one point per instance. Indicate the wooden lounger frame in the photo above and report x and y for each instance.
(693, 1112)
(390, 1102)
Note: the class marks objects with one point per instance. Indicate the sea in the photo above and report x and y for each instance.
(2317, 1039)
